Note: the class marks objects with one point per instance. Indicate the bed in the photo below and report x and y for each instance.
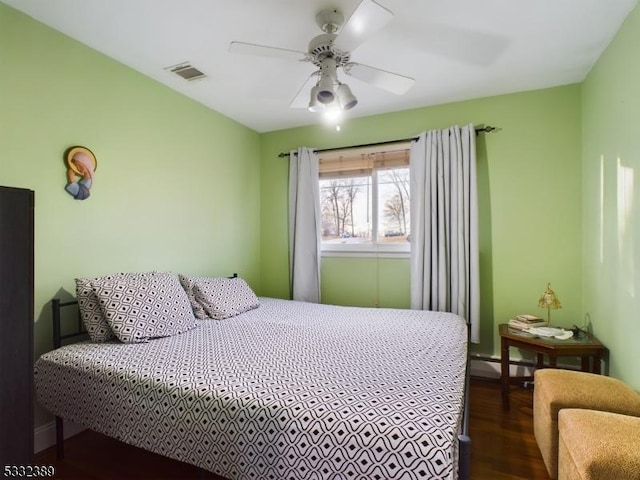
(287, 390)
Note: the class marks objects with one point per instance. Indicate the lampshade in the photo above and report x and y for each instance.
(314, 103)
(325, 93)
(346, 99)
(549, 301)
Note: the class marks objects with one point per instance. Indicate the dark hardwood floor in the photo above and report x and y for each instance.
(503, 447)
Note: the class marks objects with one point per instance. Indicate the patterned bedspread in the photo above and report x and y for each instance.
(289, 390)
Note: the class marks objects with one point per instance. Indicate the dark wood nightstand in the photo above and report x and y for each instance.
(585, 346)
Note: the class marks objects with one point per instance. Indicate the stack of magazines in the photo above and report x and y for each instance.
(525, 322)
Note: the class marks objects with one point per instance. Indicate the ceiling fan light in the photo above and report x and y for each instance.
(332, 114)
(346, 99)
(326, 96)
(314, 103)
(325, 93)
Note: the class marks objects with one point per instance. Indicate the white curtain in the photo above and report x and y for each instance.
(444, 224)
(304, 225)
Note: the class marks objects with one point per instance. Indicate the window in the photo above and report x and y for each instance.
(365, 199)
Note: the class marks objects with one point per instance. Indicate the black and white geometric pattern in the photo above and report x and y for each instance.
(90, 310)
(224, 297)
(289, 390)
(154, 308)
(188, 283)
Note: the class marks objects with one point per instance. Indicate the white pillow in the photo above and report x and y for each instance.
(225, 297)
(139, 311)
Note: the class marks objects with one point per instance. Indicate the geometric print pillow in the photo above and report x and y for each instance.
(138, 311)
(90, 310)
(224, 297)
(91, 313)
(188, 283)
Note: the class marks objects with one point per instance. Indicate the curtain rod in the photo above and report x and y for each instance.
(487, 129)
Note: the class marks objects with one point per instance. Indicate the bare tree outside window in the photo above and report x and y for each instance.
(352, 215)
(394, 204)
(394, 193)
(340, 208)
(394, 211)
(331, 206)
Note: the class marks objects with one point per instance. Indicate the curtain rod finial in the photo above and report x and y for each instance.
(487, 129)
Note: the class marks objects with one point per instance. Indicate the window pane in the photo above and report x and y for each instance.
(346, 209)
(393, 205)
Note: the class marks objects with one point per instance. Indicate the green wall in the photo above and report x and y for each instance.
(611, 199)
(176, 188)
(530, 206)
(552, 203)
(365, 282)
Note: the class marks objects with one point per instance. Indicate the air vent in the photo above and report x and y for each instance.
(186, 71)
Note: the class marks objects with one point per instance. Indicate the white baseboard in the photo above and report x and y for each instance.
(45, 435)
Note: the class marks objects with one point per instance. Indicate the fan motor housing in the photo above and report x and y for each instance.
(321, 47)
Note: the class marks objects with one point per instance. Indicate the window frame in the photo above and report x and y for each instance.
(373, 248)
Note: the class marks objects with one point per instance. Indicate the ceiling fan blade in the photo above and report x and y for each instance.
(265, 51)
(367, 19)
(301, 100)
(392, 82)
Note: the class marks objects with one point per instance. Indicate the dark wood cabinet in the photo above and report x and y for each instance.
(16, 326)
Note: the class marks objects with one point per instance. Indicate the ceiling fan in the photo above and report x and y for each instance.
(331, 51)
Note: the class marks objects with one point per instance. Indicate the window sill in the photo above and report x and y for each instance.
(361, 252)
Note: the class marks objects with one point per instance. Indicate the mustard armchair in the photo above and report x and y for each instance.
(555, 390)
(596, 445)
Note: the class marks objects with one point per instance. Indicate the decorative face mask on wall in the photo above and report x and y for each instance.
(81, 166)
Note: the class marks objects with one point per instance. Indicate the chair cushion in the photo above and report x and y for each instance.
(555, 389)
(596, 445)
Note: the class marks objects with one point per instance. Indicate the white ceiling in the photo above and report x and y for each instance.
(455, 49)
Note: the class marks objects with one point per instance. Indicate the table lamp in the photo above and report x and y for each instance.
(549, 301)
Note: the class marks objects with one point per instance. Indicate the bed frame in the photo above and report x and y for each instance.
(464, 441)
